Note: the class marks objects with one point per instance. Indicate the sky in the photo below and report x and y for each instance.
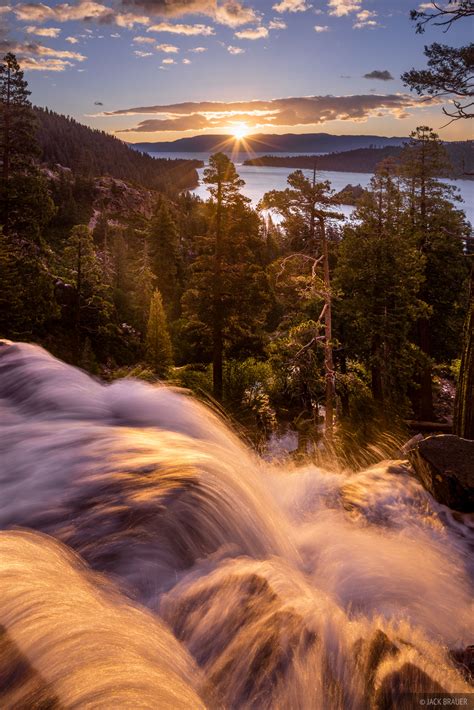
(152, 70)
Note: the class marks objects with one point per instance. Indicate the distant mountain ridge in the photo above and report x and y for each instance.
(265, 142)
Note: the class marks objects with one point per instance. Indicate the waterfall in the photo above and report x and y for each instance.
(149, 559)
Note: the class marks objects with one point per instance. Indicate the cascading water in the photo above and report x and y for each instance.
(167, 566)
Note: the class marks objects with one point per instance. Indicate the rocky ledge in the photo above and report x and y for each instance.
(444, 464)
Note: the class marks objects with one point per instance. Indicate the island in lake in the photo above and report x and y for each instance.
(365, 160)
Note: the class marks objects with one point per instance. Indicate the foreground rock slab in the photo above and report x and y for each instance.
(444, 464)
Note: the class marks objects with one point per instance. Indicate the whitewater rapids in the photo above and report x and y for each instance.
(148, 559)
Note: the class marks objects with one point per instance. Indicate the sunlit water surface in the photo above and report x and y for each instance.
(259, 180)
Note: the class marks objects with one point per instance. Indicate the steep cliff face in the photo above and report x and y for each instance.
(120, 201)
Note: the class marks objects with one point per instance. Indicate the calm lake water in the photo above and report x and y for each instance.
(259, 180)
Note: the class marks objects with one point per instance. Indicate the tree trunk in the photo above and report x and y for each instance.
(464, 404)
(328, 355)
(217, 340)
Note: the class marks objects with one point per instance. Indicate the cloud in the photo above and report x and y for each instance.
(64, 12)
(296, 111)
(365, 19)
(141, 54)
(33, 56)
(43, 31)
(198, 50)
(72, 40)
(252, 33)
(128, 13)
(381, 75)
(34, 64)
(172, 8)
(144, 40)
(186, 61)
(235, 50)
(181, 29)
(127, 20)
(39, 50)
(167, 48)
(321, 28)
(184, 123)
(168, 61)
(291, 6)
(98, 103)
(277, 25)
(5, 8)
(115, 35)
(233, 14)
(340, 8)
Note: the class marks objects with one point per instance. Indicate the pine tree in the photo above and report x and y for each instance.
(82, 268)
(464, 405)
(163, 238)
(143, 287)
(224, 187)
(305, 207)
(18, 144)
(158, 342)
(440, 231)
(378, 277)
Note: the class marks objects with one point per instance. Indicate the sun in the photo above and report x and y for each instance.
(240, 131)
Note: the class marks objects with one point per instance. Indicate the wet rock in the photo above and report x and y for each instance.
(444, 464)
(398, 688)
(257, 642)
(464, 662)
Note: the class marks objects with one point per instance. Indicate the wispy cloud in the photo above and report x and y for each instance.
(43, 31)
(321, 28)
(252, 33)
(291, 6)
(365, 18)
(235, 50)
(296, 111)
(33, 56)
(340, 8)
(144, 40)
(72, 40)
(277, 24)
(64, 12)
(182, 29)
(167, 48)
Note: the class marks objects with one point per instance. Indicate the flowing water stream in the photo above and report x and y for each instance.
(148, 559)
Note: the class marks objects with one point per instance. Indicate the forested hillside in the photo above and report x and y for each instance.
(312, 319)
(93, 153)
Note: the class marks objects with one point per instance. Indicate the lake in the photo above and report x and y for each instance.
(259, 180)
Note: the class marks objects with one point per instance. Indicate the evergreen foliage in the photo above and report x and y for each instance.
(158, 342)
(93, 153)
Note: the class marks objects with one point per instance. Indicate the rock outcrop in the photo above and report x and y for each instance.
(444, 464)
